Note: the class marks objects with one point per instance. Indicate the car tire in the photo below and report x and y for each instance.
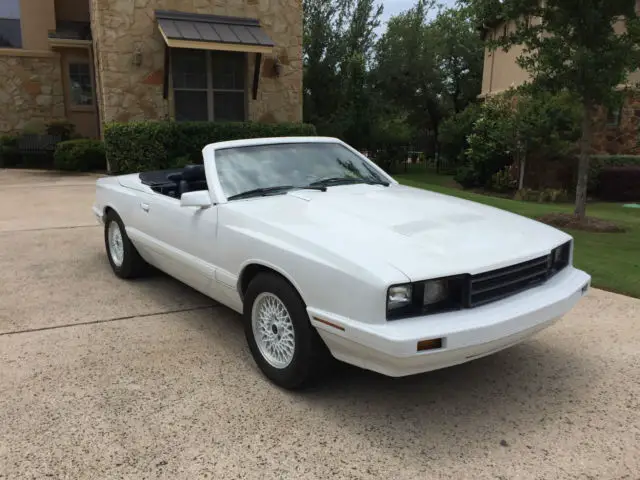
(123, 257)
(289, 365)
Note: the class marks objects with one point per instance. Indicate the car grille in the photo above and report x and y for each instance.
(492, 286)
(470, 291)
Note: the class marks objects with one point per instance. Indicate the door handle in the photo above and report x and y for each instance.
(144, 206)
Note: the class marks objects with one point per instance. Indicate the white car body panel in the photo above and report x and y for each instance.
(342, 249)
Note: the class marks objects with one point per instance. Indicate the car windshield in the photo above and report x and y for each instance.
(292, 165)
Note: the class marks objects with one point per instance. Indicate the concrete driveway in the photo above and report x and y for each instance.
(102, 378)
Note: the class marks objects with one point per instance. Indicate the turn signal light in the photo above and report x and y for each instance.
(432, 344)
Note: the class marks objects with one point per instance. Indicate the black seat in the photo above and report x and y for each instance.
(183, 187)
(193, 179)
(194, 173)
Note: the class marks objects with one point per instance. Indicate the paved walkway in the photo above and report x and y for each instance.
(102, 378)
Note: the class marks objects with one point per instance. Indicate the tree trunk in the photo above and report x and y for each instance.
(523, 164)
(583, 164)
(436, 147)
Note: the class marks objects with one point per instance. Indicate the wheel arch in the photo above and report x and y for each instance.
(254, 268)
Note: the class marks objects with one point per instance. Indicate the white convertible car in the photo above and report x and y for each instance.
(324, 253)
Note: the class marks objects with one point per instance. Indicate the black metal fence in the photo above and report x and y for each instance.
(29, 151)
(408, 159)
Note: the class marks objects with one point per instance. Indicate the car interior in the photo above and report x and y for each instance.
(176, 181)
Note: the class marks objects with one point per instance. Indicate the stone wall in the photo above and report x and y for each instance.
(129, 92)
(30, 91)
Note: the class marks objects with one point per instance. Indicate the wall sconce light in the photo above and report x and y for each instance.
(277, 66)
(137, 56)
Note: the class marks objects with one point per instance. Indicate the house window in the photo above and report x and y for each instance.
(613, 116)
(10, 31)
(80, 86)
(209, 85)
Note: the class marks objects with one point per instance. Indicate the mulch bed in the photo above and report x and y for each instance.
(589, 224)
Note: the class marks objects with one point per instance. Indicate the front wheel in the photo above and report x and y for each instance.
(282, 341)
(123, 257)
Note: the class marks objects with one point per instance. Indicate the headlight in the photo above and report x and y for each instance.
(424, 298)
(435, 291)
(399, 296)
(560, 257)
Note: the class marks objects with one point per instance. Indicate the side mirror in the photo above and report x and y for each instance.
(200, 199)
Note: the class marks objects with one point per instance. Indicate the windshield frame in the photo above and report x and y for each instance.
(209, 156)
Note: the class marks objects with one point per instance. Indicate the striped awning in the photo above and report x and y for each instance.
(212, 32)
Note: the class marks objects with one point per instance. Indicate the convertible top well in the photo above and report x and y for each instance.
(175, 181)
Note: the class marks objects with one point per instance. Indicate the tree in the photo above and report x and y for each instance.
(430, 69)
(407, 70)
(321, 56)
(573, 44)
(516, 127)
(545, 126)
(339, 36)
(460, 53)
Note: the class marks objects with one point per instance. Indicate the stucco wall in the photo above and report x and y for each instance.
(37, 17)
(74, 10)
(30, 90)
(130, 92)
(501, 70)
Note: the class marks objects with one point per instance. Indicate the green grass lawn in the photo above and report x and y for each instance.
(612, 259)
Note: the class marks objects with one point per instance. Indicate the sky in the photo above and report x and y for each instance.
(393, 7)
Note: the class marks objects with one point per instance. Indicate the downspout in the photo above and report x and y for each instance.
(493, 62)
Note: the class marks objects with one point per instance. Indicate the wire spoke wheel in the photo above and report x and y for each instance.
(273, 330)
(116, 244)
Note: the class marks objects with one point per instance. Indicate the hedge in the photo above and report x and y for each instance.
(139, 146)
(63, 129)
(9, 154)
(80, 156)
(598, 162)
(620, 184)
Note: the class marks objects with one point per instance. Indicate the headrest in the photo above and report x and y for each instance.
(193, 173)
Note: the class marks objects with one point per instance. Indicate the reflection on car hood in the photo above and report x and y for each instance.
(421, 233)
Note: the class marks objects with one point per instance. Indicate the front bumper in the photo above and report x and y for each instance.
(392, 348)
(98, 213)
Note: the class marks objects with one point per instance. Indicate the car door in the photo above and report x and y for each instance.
(180, 239)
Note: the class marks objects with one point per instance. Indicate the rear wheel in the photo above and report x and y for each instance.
(282, 341)
(123, 257)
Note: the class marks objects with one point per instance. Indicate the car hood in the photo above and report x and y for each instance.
(423, 234)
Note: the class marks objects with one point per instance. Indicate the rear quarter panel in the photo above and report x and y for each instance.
(110, 194)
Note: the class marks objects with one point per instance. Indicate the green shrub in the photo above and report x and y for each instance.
(491, 144)
(34, 127)
(389, 142)
(389, 158)
(80, 155)
(467, 176)
(37, 160)
(532, 128)
(455, 132)
(505, 180)
(548, 195)
(620, 184)
(9, 141)
(599, 162)
(61, 128)
(140, 146)
(9, 153)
